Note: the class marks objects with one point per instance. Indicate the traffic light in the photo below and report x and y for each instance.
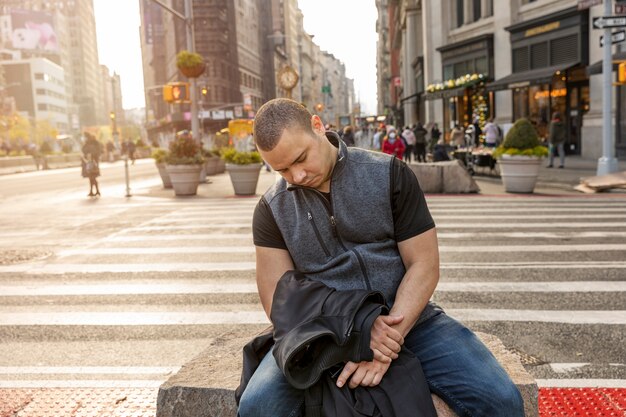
(112, 115)
(621, 73)
(319, 107)
(176, 92)
(204, 90)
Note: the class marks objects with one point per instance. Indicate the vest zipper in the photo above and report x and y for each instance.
(362, 265)
(317, 233)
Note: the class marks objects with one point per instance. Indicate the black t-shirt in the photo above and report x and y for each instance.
(411, 216)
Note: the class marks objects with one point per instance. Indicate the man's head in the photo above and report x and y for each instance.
(293, 142)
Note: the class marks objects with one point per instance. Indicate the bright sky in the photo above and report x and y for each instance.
(345, 28)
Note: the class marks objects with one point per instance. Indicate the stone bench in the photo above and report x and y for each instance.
(205, 386)
(449, 177)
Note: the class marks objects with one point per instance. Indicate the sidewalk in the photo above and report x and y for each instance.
(551, 180)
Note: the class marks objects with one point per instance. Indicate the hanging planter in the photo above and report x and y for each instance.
(190, 64)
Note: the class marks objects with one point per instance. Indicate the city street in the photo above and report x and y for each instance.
(106, 298)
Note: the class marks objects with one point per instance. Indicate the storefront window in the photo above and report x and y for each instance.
(520, 103)
(539, 108)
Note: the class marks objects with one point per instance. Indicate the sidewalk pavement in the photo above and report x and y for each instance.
(551, 180)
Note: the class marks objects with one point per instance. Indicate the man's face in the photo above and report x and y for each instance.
(302, 158)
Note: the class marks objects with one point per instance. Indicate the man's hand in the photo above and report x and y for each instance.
(366, 374)
(386, 341)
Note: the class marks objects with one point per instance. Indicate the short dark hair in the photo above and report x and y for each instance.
(277, 115)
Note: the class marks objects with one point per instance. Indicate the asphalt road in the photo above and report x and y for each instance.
(95, 291)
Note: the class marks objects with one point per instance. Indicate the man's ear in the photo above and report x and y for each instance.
(317, 125)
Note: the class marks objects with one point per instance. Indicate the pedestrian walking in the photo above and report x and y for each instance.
(110, 147)
(92, 147)
(348, 136)
(556, 139)
(380, 237)
(130, 150)
(91, 170)
(420, 142)
(378, 139)
(409, 137)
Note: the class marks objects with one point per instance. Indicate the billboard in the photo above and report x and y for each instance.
(33, 30)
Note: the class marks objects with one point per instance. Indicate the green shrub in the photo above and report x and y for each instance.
(186, 59)
(522, 139)
(46, 148)
(233, 156)
(159, 155)
(184, 150)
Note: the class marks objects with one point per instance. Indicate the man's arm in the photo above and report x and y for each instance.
(271, 264)
(420, 255)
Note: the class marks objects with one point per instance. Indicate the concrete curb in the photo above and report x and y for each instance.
(205, 386)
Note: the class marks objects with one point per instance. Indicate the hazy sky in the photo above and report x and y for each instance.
(345, 28)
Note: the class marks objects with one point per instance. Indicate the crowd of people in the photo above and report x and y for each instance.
(421, 143)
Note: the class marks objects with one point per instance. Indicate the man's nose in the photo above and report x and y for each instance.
(299, 176)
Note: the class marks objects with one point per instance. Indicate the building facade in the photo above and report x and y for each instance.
(520, 59)
(244, 43)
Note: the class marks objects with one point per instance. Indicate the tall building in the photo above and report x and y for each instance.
(244, 43)
(64, 32)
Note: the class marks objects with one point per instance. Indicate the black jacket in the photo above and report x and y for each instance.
(316, 330)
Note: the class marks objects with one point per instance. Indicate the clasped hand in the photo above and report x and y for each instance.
(386, 343)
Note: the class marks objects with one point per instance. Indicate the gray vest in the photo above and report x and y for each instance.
(349, 243)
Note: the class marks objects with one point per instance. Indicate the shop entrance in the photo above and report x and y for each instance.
(577, 106)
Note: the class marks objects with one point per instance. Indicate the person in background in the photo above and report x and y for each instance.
(348, 136)
(409, 137)
(457, 136)
(477, 132)
(92, 147)
(110, 147)
(440, 153)
(420, 142)
(492, 134)
(556, 139)
(435, 134)
(378, 138)
(393, 145)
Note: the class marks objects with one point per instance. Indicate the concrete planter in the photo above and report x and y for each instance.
(185, 178)
(211, 165)
(244, 178)
(519, 173)
(165, 176)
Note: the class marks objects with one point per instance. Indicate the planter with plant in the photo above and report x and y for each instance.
(244, 169)
(160, 156)
(212, 158)
(519, 157)
(184, 164)
(190, 64)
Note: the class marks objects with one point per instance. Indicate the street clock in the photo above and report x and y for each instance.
(288, 78)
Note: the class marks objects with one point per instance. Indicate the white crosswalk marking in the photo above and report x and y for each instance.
(508, 265)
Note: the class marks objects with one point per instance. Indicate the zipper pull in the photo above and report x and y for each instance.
(334, 224)
(308, 213)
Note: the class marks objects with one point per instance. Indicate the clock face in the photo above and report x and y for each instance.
(288, 78)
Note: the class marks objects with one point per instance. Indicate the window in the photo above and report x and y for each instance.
(460, 15)
(476, 9)
(520, 59)
(564, 50)
(539, 55)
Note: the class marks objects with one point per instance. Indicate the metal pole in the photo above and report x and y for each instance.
(195, 125)
(607, 163)
(127, 176)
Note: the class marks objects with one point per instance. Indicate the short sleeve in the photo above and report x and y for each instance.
(410, 212)
(265, 231)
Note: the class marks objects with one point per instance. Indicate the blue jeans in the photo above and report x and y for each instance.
(560, 148)
(457, 366)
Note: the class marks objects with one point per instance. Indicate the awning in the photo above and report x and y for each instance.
(526, 78)
(596, 68)
(450, 92)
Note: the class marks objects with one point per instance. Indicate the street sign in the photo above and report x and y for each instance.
(609, 22)
(616, 37)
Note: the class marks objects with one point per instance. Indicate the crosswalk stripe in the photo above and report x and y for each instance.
(88, 370)
(93, 268)
(116, 318)
(82, 383)
(39, 289)
(251, 249)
